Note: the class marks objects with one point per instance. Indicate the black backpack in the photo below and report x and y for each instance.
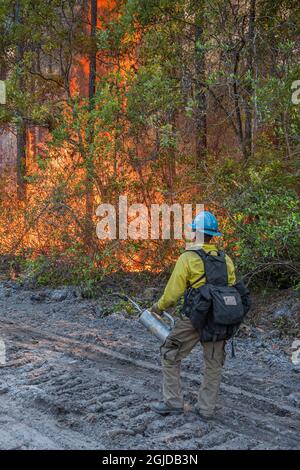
(216, 309)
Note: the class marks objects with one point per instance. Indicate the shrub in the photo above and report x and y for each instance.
(261, 221)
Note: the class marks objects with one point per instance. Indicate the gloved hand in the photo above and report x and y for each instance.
(155, 309)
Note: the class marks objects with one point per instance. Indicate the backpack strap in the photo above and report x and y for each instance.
(200, 253)
(200, 279)
(204, 254)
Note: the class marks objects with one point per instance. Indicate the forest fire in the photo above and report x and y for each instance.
(118, 110)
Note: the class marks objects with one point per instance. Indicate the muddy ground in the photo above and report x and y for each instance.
(81, 374)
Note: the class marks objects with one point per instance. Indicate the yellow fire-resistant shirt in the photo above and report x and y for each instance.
(189, 267)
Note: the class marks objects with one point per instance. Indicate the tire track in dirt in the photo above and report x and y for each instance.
(111, 391)
(91, 351)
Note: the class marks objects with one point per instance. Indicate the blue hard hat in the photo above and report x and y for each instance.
(206, 222)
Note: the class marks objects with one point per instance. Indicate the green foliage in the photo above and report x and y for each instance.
(56, 270)
(261, 219)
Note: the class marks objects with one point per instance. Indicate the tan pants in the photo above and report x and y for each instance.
(177, 346)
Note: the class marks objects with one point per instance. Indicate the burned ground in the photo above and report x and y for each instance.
(81, 376)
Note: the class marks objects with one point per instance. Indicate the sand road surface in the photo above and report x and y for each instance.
(72, 377)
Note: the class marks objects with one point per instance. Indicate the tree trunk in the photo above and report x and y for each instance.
(21, 125)
(21, 160)
(2, 71)
(237, 108)
(200, 91)
(89, 165)
(249, 88)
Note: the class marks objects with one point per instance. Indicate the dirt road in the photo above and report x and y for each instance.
(73, 377)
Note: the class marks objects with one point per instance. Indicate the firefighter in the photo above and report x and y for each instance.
(188, 269)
